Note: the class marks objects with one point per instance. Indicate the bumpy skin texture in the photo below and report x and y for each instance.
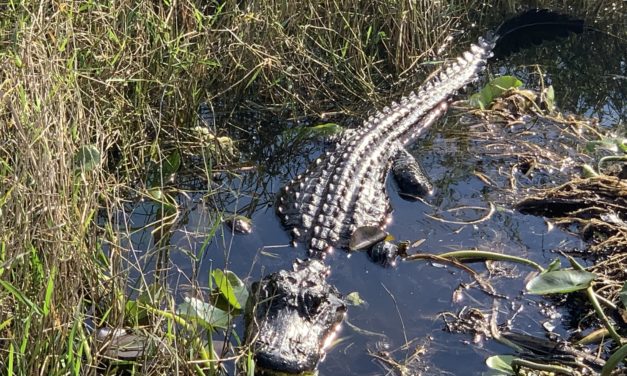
(409, 176)
(345, 189)
(290, 317)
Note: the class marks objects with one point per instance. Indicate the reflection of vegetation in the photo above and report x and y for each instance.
(97, 112)
(587, 74)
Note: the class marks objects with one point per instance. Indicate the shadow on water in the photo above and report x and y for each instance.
(402, 313)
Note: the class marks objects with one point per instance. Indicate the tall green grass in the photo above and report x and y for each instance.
(126, 77)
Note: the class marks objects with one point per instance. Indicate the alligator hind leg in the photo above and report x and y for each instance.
(410, 176)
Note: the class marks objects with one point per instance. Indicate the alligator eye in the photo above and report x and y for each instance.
(311, 303)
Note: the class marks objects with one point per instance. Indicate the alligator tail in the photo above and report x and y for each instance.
(532, 28)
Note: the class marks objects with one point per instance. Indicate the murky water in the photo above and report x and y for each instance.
(404, 305)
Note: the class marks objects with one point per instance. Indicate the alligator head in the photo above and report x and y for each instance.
(292, 317)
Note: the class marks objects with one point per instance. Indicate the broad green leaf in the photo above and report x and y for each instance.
(494, 89)
(87, 158)
(231, 288)
(623, 295)
(171, 164)
(501, 363)
(156, 193)
(560, 282)
(203, 313)
(615, 359)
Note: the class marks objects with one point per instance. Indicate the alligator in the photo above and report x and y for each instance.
(344, 190)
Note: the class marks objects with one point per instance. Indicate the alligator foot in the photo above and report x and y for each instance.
(410, 176)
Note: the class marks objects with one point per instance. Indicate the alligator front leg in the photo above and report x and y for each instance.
(410, 176)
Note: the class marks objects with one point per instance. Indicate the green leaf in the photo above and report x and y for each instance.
(494, 89)
(87, 158)
(231, 288)
(549, 97)
(501, 363)
(607, 143)
(355, 299)
(171, 164)
(560, 282)
(554, 265)
(588, 171)
(156, 193)
(49, 291)
(326, 129)
(615, 359)
(203, 313)
(17, 294)
(623, 295)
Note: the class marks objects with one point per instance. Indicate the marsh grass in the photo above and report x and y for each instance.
(127, 77)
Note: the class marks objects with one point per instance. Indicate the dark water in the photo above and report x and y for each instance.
(404, 304)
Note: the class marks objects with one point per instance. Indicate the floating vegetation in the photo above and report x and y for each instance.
(493, 90)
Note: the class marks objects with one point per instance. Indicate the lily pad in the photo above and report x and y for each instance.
(501, 363)
(203, 313)
(560, 282)
(231, 288)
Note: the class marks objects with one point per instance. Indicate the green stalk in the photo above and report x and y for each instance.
(485, 255)
(597, 307)
(541, 367)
